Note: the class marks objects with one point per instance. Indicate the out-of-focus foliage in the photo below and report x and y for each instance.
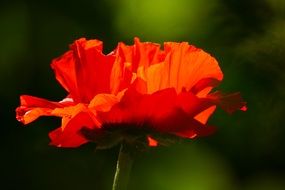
(165, 19)
(247, 38)
(183, 167)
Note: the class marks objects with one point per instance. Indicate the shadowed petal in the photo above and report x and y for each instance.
(228, 102)
(204, 86)
(181, 124)
(183, 114)
(70, 136)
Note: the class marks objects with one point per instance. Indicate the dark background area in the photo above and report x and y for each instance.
(247, 38)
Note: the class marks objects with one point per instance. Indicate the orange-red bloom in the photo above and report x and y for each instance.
(133, 93)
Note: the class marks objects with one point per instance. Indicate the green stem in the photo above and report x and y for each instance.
(124, 166)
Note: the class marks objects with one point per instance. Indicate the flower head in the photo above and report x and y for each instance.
(136, 93)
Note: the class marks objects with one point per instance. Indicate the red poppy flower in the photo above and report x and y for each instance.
(133, 93)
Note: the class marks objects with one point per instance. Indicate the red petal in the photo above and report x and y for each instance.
(199, 108)
(84, 71)
(32, 101)
(191, 104)
(121, 73)
(180, 66)
(103, 102)
(184, 114)
(183, 67)
(32, 107)
(129, 59)
(146, 54)
(138, 108)
(163, 110)
(151, 107)
(65, 73)
(70, 135)
(183, 125)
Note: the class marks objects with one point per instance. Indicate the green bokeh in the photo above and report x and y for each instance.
(163, 20)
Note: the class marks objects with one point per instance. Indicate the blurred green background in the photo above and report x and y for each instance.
(246, 37)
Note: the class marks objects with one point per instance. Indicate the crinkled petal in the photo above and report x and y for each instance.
(146, 54)
(121, 74)
(183, 67)
(130, 58)
(178, 66)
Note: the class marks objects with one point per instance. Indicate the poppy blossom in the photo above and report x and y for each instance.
(137, 92)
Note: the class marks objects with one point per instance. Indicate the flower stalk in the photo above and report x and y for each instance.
(124, 166)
